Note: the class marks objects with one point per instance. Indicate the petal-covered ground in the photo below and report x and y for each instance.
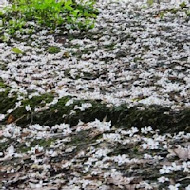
(93, 155)
(103, 109)
(133, 55)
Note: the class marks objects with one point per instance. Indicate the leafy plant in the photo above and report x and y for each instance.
(48, 13)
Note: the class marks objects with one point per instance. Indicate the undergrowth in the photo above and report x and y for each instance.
(48, 13)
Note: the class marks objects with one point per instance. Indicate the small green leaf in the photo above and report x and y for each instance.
(16, 50)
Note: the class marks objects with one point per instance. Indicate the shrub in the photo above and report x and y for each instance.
(49, 13)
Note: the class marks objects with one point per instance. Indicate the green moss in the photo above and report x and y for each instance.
(2, 84)
(61, 104)
(174, 11)
(38, 101)
(54, 49)
(183, 5)
(110, 46)
(6, 102)
(121, 116)
(24, 117)
(80, 138)
(45, 143)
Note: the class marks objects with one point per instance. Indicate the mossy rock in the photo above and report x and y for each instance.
(60, 113)
(24, 117)
(162, 118)
(45, 143)
(155, 116)
(38, 101)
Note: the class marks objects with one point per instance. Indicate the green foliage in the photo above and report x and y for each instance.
(15, 25)
(48, 13)
(161, 15)
(174, 11)
(54, 49)
(2, 84)
(183, 5)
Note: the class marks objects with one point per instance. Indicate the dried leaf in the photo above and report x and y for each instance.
(25, 134)
(10, 119)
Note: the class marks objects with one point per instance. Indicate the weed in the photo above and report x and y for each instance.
(54, 49)
(48, 13)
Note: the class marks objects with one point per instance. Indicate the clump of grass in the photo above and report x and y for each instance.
(54, 49)
(48, 13)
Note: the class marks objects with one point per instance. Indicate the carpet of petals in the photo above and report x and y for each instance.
(135, 55)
